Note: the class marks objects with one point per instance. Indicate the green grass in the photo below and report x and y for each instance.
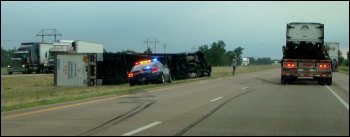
(3, 70)
(25, 92)
(343, 69)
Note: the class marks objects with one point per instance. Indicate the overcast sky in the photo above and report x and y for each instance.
(258, 27)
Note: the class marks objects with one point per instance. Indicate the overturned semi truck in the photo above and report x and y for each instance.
(89, 69)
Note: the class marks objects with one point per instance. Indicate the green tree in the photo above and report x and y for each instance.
(128, 51)
(218, 51)
(216, 54)
(252, 60)
(206, 52)
(148, 51)
(229, 57)
(238, 52)
(340, 58)
(6, 57)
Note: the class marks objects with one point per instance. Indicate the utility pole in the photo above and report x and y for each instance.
(147, 43)
(164, 47)
(155, 41)
(53, 32)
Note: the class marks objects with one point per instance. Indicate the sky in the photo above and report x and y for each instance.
(257, 26)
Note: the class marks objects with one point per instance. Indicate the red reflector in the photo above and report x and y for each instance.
(130, 74)
(154, 70)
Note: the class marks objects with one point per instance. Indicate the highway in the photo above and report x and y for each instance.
(247, 104)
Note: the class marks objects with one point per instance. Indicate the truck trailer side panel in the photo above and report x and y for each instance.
(87, 47)
(332, 49)
(44, 52)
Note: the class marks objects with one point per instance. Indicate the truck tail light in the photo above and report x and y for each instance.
(289, 65)
(130, 74)
(323, 66)
(154, 70)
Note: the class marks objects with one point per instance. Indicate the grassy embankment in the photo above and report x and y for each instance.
(343, 69)
(29, 91)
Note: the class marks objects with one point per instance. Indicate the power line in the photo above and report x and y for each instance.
(155, 41)
(44, 32)
(164, 47)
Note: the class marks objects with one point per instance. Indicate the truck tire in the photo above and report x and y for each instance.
(283, 80)
(329, 81)
(321, 81)
(290, 81)
(26, 71)
(38, 71)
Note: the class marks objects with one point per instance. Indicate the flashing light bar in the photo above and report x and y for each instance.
(146, 61)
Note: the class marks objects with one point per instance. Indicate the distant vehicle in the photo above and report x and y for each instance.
(30, 57)
(245, 61)
(333, 52)
(149, 71)
(304, 56)
(72, 46)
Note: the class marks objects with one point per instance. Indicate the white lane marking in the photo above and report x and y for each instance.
(215, 99)
(346, 105)
(142, 128)
(244, 87)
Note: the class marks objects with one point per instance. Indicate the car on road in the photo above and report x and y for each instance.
(149, 71)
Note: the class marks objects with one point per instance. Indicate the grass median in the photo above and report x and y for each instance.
(343, 69)
(29, 91)
(3, 70)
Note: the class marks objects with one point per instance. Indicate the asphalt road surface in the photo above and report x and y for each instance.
(247, 104)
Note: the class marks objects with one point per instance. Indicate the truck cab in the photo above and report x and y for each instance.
(18, 62)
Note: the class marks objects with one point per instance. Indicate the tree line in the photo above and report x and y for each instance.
(215, 54)
(6, 57)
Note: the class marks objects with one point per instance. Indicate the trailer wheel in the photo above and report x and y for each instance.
(283, 80)
(10, 73)
(26, 71)
(290, 81)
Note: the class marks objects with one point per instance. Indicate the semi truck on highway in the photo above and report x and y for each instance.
(333, 52)
(245, 61)
(72, 46)
(304, 55)
(30, 57)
